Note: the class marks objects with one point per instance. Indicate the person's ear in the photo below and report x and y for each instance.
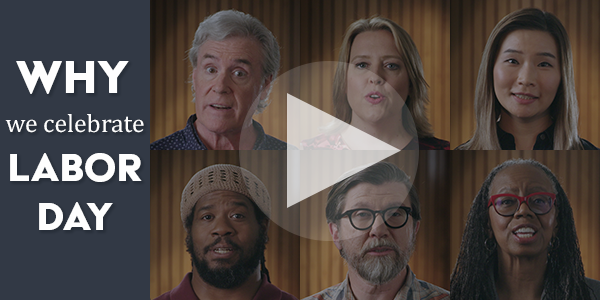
(416, 229)
(334, 231)
(266, 86)
(265, 224)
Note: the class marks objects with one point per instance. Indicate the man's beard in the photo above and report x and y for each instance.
(379, 270)
(238, 273)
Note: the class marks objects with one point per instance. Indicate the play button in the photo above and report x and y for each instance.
(302, 165)
(307, 92)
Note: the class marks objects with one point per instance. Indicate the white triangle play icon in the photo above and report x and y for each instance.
(311, 171)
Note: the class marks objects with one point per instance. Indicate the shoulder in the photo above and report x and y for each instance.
(331, 293)
(587, 145)
(271, 143)
(174, 141)
(183, 291)
(165, 296)
(428, 291)
(325, 142)
(594, 286)
(184, 139)
(462, 146)
(268, 291)
(432, 143)
(267, 142)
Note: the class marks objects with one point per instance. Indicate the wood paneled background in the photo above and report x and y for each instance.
(472, 22)
(307, 31)
(577, 171)
(171, 171)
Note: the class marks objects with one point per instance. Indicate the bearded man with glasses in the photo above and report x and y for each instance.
(374, 217)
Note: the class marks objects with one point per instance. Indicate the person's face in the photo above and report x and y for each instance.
(377, 80)
(227, 240)
(228, 83)
(527, 73)
(379, 253)
(524, 234)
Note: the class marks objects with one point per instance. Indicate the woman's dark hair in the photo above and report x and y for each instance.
(477, 263)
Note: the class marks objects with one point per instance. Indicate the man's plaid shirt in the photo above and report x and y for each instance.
(413, 289)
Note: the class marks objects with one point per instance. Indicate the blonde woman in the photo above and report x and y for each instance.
(379, 88)
(525, 96)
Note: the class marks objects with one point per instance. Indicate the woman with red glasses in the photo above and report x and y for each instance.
(520, 240)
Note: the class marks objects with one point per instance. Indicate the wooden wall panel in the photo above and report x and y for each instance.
(472, 22)
(323, 24)
(170, 172)
(577, 171)
(172, 28)
(320, 261)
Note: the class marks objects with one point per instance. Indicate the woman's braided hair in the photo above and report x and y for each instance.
(478, 259)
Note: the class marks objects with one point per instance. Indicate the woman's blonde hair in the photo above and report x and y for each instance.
(414, 108)
(563, 110)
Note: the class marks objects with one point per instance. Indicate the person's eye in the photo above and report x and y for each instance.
(508, 201)
(545, 64)
(512, 61)
(239, 73)
(207, 217)
(237, 216)
(538, 200)
(392, 66)
(360, 65)
(211, 70)
(362, 214)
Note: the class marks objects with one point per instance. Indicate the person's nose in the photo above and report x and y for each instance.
(222, 84)
(527, 75)
(222, 227)
(524, 210)
(376, 76)
(379, 228)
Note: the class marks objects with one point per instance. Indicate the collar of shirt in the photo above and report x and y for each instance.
(412, 289)
(191, 130)
(185, 291)
(544, 140)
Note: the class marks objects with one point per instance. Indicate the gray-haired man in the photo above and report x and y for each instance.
(235, 60)
(225, 210)
(374, 216)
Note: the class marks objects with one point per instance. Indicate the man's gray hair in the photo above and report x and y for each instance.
(232, 23)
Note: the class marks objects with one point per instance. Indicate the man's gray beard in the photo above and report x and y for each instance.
(379, 270)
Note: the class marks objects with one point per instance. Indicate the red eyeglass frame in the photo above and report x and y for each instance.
(521, 200)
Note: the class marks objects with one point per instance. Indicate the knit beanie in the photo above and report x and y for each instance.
(224, 177)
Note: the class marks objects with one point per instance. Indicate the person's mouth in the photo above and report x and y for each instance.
(380, 251)
(525, 232)
(219, 106)
(222, 250)
(221, 246)
(374, 97)
(524, 98)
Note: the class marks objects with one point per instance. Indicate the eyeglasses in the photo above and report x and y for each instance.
(508, 204)
(363, 218)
